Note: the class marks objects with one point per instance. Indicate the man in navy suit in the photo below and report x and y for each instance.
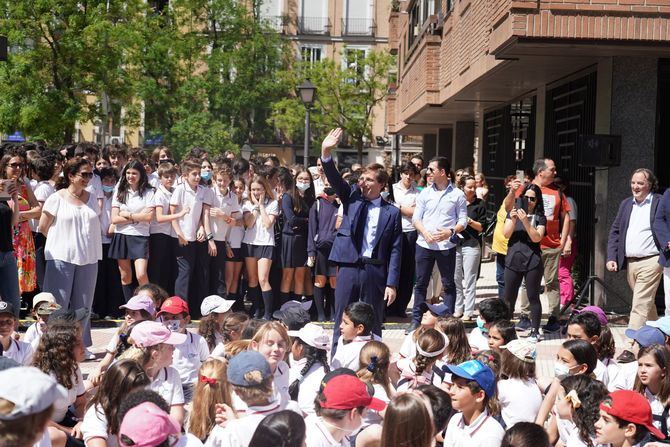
(367, 246)
(662, 231)
(634, 245)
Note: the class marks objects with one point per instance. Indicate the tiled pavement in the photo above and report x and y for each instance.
(394, 331)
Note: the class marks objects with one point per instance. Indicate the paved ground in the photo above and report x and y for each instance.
(394, 331)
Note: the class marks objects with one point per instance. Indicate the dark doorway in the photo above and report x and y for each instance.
(662, 149)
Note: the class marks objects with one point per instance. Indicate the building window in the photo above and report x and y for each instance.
(311, 54)
(354, 59)
(357, 18)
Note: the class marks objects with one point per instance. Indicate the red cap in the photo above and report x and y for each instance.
(174, 305)
(346, 392)
(631, 407)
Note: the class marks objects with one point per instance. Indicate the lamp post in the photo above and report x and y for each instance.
(307, 93)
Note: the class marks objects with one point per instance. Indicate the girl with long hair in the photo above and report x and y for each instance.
(458, 350)
(295, 205)
(285, 428)
(100, 426)
(577, 410)
(272, 341)
(234, 260)
(375, 360)
(211, 391)
(132, 213)
(309, 364)
(517, 378)
(653, 382)
(419, 370)
(260, 212)
(408, 422)
(230, 331)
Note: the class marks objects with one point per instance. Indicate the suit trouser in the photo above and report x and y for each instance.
(666, 288)
(446, 263)
(644, 277)
(550, 259)
(360, 282)
(186, 259)
(406, 281)
(162, 266)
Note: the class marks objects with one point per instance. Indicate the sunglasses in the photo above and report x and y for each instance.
(86, 175)
(530, 198)
(15, 165)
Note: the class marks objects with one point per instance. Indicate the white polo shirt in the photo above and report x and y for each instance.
(228, 204)
(95, 425)
(162, 201)
(238, 432)
(168, 385)
(134, 203)
(42, 190)
(317, 434)
(188, 357)
(259, 234)
(19, 351)
(309, 387)
(185, 196)
(482, 432)
(347, 354)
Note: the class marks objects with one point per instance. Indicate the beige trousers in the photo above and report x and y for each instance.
(644, 276)
(550, 259)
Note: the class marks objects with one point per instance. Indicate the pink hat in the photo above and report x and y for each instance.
(146, 425)
(152, 333)
(141, 302)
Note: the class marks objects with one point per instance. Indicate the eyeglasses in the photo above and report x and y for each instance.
(15, 165)
(429, 169)
(531, 198)
(86, 175)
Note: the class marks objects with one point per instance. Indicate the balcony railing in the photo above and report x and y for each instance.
(313, 25)
(277, 23)
(358, 27)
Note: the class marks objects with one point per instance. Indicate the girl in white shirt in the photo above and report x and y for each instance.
(272, 341)
(100, 426)
(576, 411)
(132, 213)
(309, 364)
(419, 370)
(518, 373)
(375, 359)
(260, 213)
(653, 381)
(234, 244)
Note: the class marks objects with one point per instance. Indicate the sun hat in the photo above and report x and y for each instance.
(314, 335)
(477, 371)
(146, 425)
(37, 391)
(216, 304)
(345, 392)
(151, 333)
(141, 302)
(47, 308)
(43, 297)
(440, 309)
(633, 407)
(244, 363)
(523, 349)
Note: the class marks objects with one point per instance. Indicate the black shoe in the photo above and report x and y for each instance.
(552, 325)
(524, 323)
(626, 357)
(412, 327)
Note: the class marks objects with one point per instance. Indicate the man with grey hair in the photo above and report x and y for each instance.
(555, 242)
(634, 246)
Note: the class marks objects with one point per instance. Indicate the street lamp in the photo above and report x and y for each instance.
(307, 93)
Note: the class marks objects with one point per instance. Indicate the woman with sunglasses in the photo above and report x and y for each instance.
(13, 168)
(71, 225)
(524, 227)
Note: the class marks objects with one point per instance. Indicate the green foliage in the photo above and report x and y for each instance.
(346, 97)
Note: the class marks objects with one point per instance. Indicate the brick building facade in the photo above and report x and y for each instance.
(495, 84)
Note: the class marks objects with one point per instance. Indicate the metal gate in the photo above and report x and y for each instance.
(570, 112)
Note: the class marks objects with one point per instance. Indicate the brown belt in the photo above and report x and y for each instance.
(630, 258)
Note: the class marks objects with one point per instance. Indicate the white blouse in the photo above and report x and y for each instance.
(259, 234)
(79, 225)
(134, 204)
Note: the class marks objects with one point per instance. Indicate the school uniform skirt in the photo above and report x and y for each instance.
(124, 246)
(322, 266)
(257, 251)
(237, 255)
(293, 251)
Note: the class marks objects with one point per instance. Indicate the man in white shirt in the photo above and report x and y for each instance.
(633, 245)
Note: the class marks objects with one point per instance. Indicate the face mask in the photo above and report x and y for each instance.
(480, 325)
(173, 325)
(302, 186)
(106, 188)
(385, 195)
(206, 175)
(561, 370)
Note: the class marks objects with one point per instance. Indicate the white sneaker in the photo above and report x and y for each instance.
(88, 355)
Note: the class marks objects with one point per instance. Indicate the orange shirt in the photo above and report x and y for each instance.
(555, 204)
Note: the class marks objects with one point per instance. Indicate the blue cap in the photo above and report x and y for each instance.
(477, 371)
(662, 323)
(646, 336)
(247, 362)
(439, 309)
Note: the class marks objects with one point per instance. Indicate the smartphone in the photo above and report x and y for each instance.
(4, 190)
(520, 175)
(521, 203)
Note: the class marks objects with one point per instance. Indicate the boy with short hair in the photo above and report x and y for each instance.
(188, 356)
(490, 311)
(358, 320)
(625, 420)
(196, 199)
(587, 326)
(19, 351)
(42, 310)
(250, 378)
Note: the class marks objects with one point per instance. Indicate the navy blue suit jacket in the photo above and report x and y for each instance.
(662, 228)
(388, 241)
(616, 243)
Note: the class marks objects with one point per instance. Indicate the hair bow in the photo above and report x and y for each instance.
(208, 380)
(372, 366)
(573, 398)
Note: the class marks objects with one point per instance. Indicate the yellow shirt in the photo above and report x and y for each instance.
(499, 241)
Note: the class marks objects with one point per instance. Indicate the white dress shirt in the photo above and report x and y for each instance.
(370, 230)
(639, 238)
(440, 209)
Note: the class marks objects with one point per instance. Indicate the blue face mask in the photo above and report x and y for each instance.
(480, 325)
(384, 194)
(106, 188)
(206, 175)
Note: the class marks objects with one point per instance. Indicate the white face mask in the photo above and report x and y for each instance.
(302, 186)
(561, 370)
(173, 325)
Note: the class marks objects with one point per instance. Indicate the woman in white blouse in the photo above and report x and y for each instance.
(73, 247)
(132, 212)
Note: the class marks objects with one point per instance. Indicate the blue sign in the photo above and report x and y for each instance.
(154, 140)
(16, 137)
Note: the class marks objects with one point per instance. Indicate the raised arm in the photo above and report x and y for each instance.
(332, 174)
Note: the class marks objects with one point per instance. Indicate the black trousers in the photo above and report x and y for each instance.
(217, 270)
(108, 294)
(162, 266)
(407, 269)
(533, 282)
(186, 264)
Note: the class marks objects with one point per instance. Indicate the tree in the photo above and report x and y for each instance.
(346, 96)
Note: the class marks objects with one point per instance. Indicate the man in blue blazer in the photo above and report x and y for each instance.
(662, 230)
(367, 247)
(633, 245)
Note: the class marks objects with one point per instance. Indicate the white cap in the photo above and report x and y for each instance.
(43, 297)
(214, 303)
(314, 335)
(30, 390)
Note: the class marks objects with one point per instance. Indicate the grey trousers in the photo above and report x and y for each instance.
(73, 286)
(465, 276)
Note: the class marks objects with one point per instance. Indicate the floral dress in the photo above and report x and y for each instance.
(24, 247)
